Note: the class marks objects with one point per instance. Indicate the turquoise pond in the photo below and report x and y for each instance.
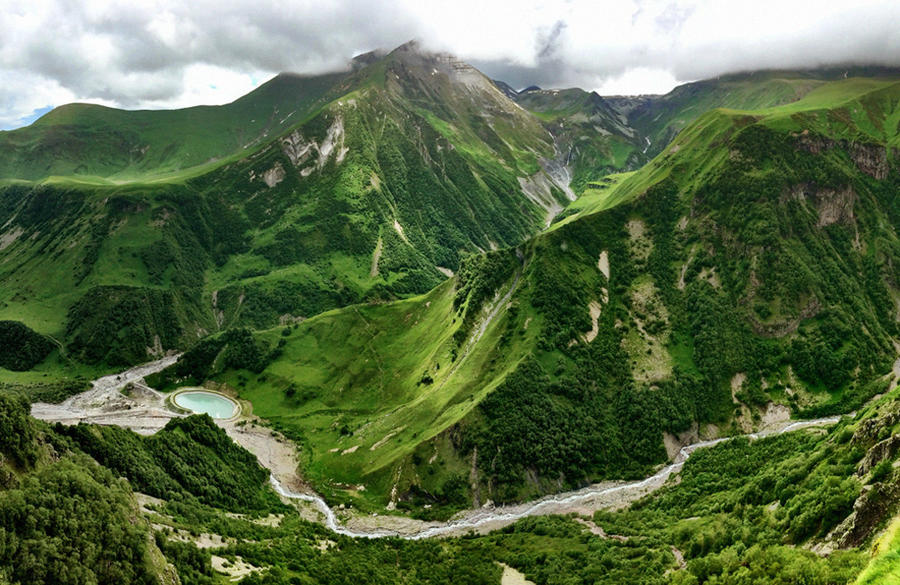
(215, 405)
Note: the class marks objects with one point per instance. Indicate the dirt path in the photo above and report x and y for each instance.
(142, 411)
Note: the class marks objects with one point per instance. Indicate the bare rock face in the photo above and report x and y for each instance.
(871, 507)
(871, 159)
(301, 150)
(833, 205)
(880, 451)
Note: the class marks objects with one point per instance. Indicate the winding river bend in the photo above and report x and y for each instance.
(595, 497)
(145, 413)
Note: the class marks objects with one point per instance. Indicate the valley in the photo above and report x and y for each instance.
(447, 330)
(275, 453)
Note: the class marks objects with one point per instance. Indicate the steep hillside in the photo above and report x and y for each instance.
(602, 135)
(594, 138)
(658, 119)
(411, 160)
(106, 144)
(63, 518)
(747, 273)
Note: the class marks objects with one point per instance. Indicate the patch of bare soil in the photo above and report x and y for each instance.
(236, 570)
(274, 452)
(513, 577)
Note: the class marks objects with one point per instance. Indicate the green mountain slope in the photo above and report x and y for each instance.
(603, 135)
(594, 137)
(118, 145)
(410, 161)
(747, 270)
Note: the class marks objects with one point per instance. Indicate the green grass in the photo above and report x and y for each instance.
(96, 145)
(357, 380)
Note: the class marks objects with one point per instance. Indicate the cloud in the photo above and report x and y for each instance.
(168, 53)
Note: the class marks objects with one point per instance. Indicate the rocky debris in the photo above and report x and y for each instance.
(675, 443)
(603, 263)
(539, 190)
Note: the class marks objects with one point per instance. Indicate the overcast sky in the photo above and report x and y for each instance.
(174, 53)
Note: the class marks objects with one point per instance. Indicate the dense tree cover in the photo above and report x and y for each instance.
(52, 391)
(63, 518)
(189, 457)
(193, 564)
(17, 435)
(72, 522)
(116, 324)
(760, 271)
(23, 348)
(239, 350)
(479, 277)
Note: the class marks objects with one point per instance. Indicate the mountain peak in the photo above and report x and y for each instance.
(366, 59)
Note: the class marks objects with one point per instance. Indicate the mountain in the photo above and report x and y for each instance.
(743, 275)
(603, 135)
(399, 285)
(373, 189)
(121, 145)
(595, 137)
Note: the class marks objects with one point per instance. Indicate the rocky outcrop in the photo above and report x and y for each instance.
(301, 150)
(833, 205)
(873, 505)
(871, 159)
(869, 430)
(879, 452)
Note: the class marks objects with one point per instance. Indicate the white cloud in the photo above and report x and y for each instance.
(163, 53)
(639, 81)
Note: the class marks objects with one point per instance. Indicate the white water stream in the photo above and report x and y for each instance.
(597, 496)
(95, 406)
